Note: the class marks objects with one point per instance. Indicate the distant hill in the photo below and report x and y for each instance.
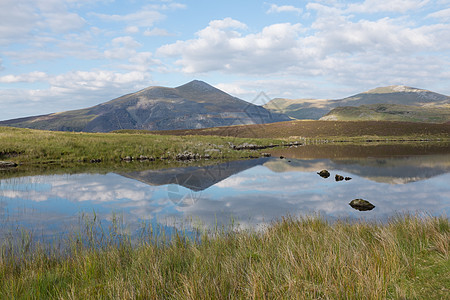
(394, 95)
(300, 109)
(193, 105)
(390, 112)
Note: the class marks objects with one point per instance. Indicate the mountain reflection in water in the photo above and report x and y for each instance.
(253, 193)
(195, 178)
(394, 170)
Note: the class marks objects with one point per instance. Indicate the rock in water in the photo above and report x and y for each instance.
(338, 177)
(7, 164)
(324, 173)
(361, 205)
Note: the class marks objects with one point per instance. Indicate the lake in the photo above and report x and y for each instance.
(248, 193)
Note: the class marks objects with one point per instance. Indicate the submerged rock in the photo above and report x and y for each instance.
(247, 146)
(186, 155)
(7, 164)
(145, 158)
(361, 205)
(348, 178)
(324, 174)
(338, 177)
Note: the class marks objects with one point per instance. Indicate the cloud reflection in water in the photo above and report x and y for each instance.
(254, 196)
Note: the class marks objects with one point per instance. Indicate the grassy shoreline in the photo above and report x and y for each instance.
(307, 258)
(28, 146)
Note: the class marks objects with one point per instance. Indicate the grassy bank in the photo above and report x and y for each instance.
(407, 258)
(37, 146)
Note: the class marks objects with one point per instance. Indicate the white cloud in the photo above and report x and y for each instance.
(132, 29)
(171, 6)
(25, 19)
(142, 18)
(79, 81)
(383, 36)
(18, 20)
(374, 6)
(443, 15)
(30, 77)
(235, 89)
(146, 17)
(219, 47)
(142, 61)
(283, 8)
(122, 48)
(125, 41)
(62, 22)
(227, 23)
(156, 32)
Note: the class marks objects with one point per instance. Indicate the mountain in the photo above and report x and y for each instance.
(390, 112)
(394, 95)
(192, 105)
(300, 108)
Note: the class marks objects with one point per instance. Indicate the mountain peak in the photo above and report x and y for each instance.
(198, 85)
(195, 104)
(394, 89)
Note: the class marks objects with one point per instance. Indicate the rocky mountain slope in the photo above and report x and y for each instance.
(193, 105)
(411, 104)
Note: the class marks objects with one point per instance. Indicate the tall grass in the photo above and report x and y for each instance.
(38, 146)
(305, 258)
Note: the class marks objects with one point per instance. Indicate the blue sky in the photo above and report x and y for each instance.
(57, 55)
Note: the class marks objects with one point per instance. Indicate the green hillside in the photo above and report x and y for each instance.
(300, 108)
(402, 96)
(390, 112)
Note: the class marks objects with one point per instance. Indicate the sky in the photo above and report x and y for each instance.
(59, 55)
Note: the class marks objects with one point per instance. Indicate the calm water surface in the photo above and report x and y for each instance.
(252, 193)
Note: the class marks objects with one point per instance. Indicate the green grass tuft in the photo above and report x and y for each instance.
(308, 258)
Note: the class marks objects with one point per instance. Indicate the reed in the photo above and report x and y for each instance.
(306, 258)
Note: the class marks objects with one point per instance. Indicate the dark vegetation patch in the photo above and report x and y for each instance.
(317, 129)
